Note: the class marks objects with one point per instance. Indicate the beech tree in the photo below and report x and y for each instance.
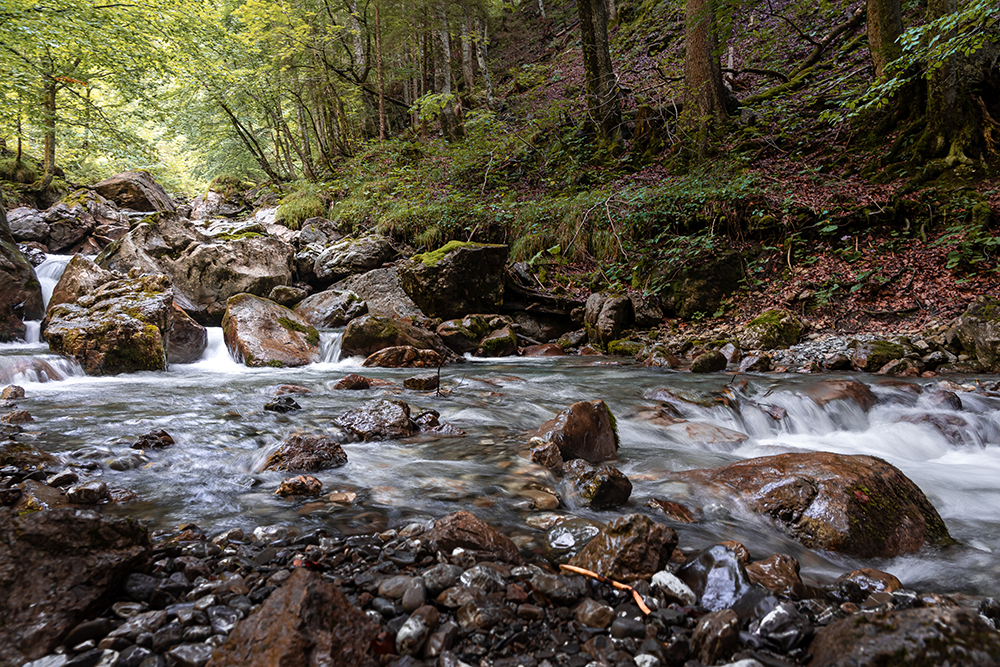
(705, 105)
(603, 102)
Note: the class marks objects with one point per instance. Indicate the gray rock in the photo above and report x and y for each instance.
(351, 256)
(332, 308)
(381, 291)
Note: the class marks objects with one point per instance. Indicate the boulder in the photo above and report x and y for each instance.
(607, 316)
(499, 343)
(20, 292)
(908, 638)
(119, 327)
(585, 430)
(465, 334)
(261, 333)
(978, 330)
(858, 505)
(380, 289)
(542, 326)
(871, 356)
(68, 225)
(629, 547)
(699, 287)
(456, 279)
(319, 231)
(307, 452)
(370, 333)
(80, 278)
(773, 329)
(287, 295)
(308, 621)
(57, 569)
(206, 270)
(135, 190)
(380, 419)
(841, 390)
(404, 356)
(332, 308)
(598, 487)
(28, 224)
(187, 339)
(709, 362)
(350, 256)
(214, 204)
(465, 530)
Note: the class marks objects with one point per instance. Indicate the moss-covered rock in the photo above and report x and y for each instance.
(625, 348)
(456, 279)
(20, 293)
(873, 355)
(709, 362)
(597, 487)
(772, 329)
(370, 333)
(464, 335)
(259, 332)
(499, 343)
(978, 330)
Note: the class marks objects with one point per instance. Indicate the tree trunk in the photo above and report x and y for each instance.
(702, 72)
(467, 73)
(612, 10)
(49, 124)
(541, 8)
(603, 103)
(442, 81)
(482, 42)
(378, 64)
(357, 41)
(885, 26)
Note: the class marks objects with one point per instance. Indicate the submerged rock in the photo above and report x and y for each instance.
(303, 485)
(585, 430)
(262, 333)
(381, 419)
(307, 453)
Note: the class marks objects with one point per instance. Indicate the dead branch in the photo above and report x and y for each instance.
(604, 580)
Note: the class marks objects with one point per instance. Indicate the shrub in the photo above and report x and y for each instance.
(307, 201)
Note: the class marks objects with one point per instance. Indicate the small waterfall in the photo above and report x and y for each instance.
(329, 346)
(49, 272)
(23, 369)
(216, 356)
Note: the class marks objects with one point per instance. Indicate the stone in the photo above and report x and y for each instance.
(259, 332)
(381, 291)
(709, 362)
(629, 547)
(543, 350)
(416, 629)
(21, 293)
(755, 363)
(353, 382)
(187, 339)
(873, 355)
(80, 277)
(908, 638)
(559, 589)
(307, 452)
(700, 286)
(780, 575)
(902, 368)
(859, 505)
(673, 511)
(153, 440)
(773, 329)
(331, 308)
(27, 224)
(302, 485)
(135, 190)
(720, 581)
(585, 430)
(440, 577)
(597, 487)
(68, 225)
(86, 557)
(379, 419)
(282, 404)
(784, 628)
(368, 334)
(214, 204)
(978, 331)
(12, 393)
(350, 256)
(499, 343)
(88, 493)
(567, 538)
(716, 636)
(593, 614)
(423, 382)
(308, 621)
(841, 390)
(404, 356)
(607, 316)
(856, 586)
(464, 335)
(456, 279)
(287, 295)
(673, 589)
(547, 454)
(465, 530)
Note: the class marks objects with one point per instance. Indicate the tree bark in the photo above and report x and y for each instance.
(885, 26)
(603, 103)
(49, 89)
(482, 44)
(442, 76)
(702, 72)
(378, 65)
(467, 72)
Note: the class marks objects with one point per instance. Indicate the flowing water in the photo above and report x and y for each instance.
(214, 411)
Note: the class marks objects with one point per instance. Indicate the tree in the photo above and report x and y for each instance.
(603, 102)
(885, 27)
(705, 105)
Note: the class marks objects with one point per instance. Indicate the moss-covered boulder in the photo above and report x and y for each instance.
(121, 326)
(978, 330)
(858, 505)
(370, 333)
(331, 308)
(464, 335)
(259, 332)
(350, 256)
(772, 329)
(456, 279)
(709, 362)
(870, 356)
(700, 287)
(20, 292)
(625, 348)
(499, 343)
(404, 356)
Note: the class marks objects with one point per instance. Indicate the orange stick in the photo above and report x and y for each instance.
(604, 580)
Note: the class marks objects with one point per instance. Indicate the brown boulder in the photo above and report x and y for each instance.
(716, 636)
(262, 333)
(58, 568)
(308, 623)
(780, 575)
(841, 390)
(629, 547)
(307, 452)
(585, 430)
(404, 356)
(135, 190)
(858, 505)
(465, 530)
(187, 339)
(543, 350)
(80, 277)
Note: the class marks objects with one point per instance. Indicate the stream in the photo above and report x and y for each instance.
(214, 411)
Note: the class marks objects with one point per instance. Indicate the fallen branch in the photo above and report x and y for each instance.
(604, 580)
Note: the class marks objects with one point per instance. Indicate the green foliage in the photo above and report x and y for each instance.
(973, 243)
(306, 201)
(17, 172)
(228, 185)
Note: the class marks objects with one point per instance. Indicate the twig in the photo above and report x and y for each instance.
(604, 580)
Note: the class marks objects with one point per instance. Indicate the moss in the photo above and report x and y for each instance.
(767, 318)
(624, 348)
(614, 425)
(312, 335)
(239, 236)
(495, 344)
(432, 258)
(306, 202)
(226, 184)
(274, 363)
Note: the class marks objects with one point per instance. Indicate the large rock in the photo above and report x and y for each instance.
(859, 505)
(404, 356)
(699, 287)
(380, 419)
(585, 430)
(187, 339)
(466, 334)
(381, 290)
(351, 256)
(773, 329)
(57, 569)
(119, 327)
(28, 224)
(908, 638)
(135, 190)
(68, 226)
(598, 487)
(80, 278)
(456, 279)
(206, 269)
(332, 308)
(308, 622)
(370, 333)
(465, 530)
(978, 330)
(261, 333)
(606, 316)
(214, 204)
(629, 547)
(20, 292)
(870, 356)
(306, 452)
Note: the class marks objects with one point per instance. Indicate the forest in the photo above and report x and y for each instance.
(609, 143)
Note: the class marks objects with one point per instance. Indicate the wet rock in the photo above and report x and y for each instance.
(415, 595)
(368, 334)
(841, 390)
(629, 547)
(564, 540)
(598, 487)
(673, 589)
(585, 430)
(908, 638)
(773, 329)
(307, 452)
(23, 455)
(543, 350)
(456, 279)
(709, 435)
(302, 485)
(12, 392)
(441, 577)
(672, 510)
(62, 479)
(35, 497)
(856, 586)
(859, 505)
(404, 356)
(870, 356)
(21, 296)
(16, 417)
(594, 614)
(464, 530)
(902, 368)
(783, 629)
(425, 382)
(978, 331)
(191, 655)
(709, 362)
(261, 333)
(719, 580)
(547, 454)
(418, 627)
(755, 363)
(738, 548)
(350, 256)
(837, 361)
(332, 308)
(464, 335)
(380, 419)
(780, 575)
(135, 190)
(153, 440)
(499, 343)
(307, 621)
(353, 382)
(187, 339)
(86, 557)
(380, 289)
(88, 493)
(716, 637)
(282, 404)
(484, 578)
